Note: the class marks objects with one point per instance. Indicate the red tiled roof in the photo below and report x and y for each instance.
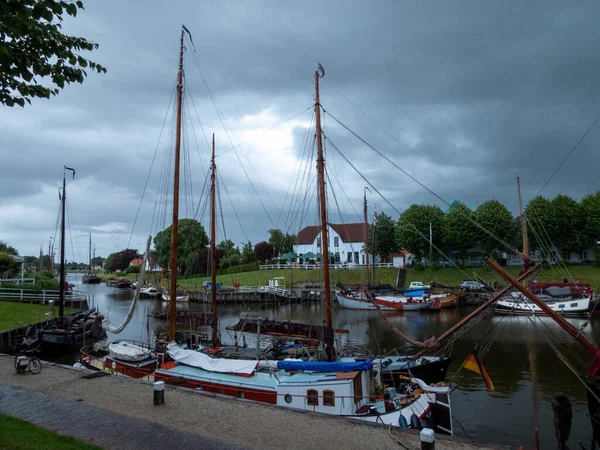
(136, 262)
(349, 232)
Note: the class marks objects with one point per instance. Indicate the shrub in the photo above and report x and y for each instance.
(250, 267)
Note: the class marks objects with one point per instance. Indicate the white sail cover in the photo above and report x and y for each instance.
(196, 359)
(126, 351)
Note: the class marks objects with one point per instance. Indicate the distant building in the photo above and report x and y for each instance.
(346, 242)
(137, 262)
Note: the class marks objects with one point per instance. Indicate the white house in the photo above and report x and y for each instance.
(346, 242)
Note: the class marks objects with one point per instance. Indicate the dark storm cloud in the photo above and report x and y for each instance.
(474, 91)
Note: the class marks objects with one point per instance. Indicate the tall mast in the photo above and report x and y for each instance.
(523, 223)
(90, 267)
(213, 259)
(367, 240)
(430, 255)
(63, 270)
(322, 201)
(175, 226)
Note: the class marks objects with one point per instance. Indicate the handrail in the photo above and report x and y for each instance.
(338, 266)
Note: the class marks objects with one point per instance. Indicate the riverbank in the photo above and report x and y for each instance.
(15, 314)
(124, 405)
(446, 276)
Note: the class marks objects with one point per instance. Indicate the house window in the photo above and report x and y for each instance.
(328, 398)
(318, 242)
(312, 397)
(337, 257)
(363, 259)
(336, 241)
(584, 255)
(356, 257)
(349, 256)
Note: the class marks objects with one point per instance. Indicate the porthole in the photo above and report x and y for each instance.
(288, 398)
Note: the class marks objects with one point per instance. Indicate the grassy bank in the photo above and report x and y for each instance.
(20, 435)
(13, 314)
(450, 276)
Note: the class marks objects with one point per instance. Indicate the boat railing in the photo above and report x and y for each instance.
(340, 266)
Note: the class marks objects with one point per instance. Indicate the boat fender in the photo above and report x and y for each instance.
(402, 423)
(415, 423)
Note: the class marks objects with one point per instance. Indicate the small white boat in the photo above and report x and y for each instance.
(150, 291)
(179, 298)
(126, 351)
(516, 304)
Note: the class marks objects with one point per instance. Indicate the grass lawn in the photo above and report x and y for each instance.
(20, 435)
(450, 276)
(14, 314)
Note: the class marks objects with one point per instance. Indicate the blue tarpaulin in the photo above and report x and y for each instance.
(314, 366)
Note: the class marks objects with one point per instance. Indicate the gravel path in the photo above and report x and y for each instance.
(228, 421)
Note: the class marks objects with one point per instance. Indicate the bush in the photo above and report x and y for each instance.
(132, 269)
(250, 267)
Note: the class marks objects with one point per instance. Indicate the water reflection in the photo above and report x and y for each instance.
(522, 365)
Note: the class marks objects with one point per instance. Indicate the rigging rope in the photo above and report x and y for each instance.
(106, 322)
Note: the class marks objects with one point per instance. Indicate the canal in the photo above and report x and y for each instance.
(522, 364)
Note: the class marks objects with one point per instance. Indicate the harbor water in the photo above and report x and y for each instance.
(522, 359)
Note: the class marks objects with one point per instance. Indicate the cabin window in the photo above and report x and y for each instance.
(288, 398)
(336, 241)
(573, 305)
(328, 398)
(312, 397)
(318, 242)
(561, 306)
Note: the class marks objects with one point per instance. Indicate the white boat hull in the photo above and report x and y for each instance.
(572, 307)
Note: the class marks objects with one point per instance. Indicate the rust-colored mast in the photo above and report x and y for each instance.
(573, 331)
(524, 225)
(175, 226)
(367, 241)
(323, 209)
(213, 256)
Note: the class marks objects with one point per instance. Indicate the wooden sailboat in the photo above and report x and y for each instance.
(74, 330)
(90, 277)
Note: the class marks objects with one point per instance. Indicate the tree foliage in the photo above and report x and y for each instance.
(34, 49)
(459, 231)
(230, 254)
(412, 229)
(120, 260)
(263, 251)
(539, 218)
(281, 242)
(7, 263)
(382, 236)
(192, 240)
(97, 261)
(569, 224)
(591, 209)
(108, 262)
(497, 220)
(4, 247)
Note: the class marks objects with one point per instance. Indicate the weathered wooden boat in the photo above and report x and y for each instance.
(73, 331)
(129, 358)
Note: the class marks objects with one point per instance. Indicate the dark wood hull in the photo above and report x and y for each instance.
(431, 372)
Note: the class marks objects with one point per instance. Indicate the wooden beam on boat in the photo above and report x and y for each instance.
(479, 310)
(573, 331)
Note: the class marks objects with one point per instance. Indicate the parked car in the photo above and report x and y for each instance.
(206, 285)
(418, 285)
(469, 285)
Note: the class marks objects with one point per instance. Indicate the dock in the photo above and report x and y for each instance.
(117, 411)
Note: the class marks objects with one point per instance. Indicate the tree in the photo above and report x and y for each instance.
(263, 251)
(569, 222)
(108, 262)
(7, 263)
(121, 260)
(281, 243)
(247, 253)
(228, 247)
(192, 240)
(591, 208)
(539, 219)
(33, 49)
(412, 229)
(382, 237)
(97, 261)
(497, 220)
(460, 232)
(4, 247)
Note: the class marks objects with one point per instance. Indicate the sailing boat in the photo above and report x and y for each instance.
(90, 277)
(348, 389)
(77, 329)
(572, 299)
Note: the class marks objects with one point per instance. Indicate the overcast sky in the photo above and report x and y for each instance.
(463, 95)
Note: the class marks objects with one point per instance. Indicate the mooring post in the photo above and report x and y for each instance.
(427, 439)
(159, 393)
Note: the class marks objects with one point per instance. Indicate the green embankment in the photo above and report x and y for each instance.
(13, 314)
(450, 276)
(21, 435)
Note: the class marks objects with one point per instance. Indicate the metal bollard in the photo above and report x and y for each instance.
(159, 393)
(427, 439)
